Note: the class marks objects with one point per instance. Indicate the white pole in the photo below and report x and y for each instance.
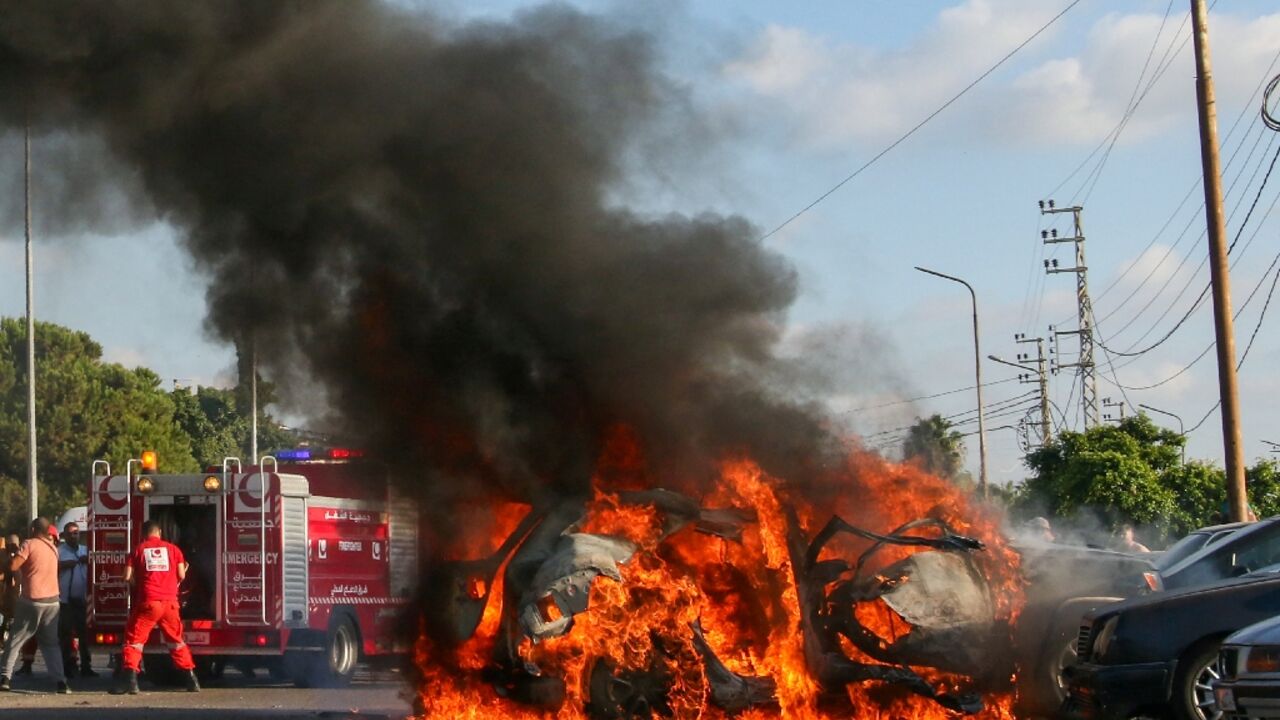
(977, 374)
(253, 401)
(33, 498)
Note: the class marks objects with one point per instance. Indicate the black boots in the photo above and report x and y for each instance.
(126, 682)
(193, 685)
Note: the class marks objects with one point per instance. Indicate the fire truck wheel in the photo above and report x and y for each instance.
(333, 667)
(342, 652)
(210, 668)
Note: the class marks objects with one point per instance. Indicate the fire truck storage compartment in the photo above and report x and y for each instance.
(194, 529)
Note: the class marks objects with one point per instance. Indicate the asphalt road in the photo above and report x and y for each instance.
(372, 696)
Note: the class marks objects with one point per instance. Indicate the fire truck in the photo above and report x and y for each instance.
(303, 563)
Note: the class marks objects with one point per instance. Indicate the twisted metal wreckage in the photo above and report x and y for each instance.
(938, 591)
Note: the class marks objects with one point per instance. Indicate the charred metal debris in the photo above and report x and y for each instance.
(938, 591)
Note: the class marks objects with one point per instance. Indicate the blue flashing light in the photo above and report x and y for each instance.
(298, 454)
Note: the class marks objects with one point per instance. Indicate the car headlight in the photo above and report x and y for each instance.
(1262, 659)
(1102, 641)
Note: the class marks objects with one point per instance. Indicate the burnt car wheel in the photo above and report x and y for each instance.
(1065, 659)
(1193, 684)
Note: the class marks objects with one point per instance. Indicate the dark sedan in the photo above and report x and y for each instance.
(1158, 653)
(1250, 664)
(1231, 554)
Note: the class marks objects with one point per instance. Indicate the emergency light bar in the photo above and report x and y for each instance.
(337, 453)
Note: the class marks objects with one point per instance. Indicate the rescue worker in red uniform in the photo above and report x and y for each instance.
(155, 569)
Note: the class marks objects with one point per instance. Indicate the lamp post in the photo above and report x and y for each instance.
(1181, 430)
(977, 372)
(33, 487)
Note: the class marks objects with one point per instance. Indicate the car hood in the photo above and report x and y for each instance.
(1266, 632)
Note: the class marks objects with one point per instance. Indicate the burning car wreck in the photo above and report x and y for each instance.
(921, 577)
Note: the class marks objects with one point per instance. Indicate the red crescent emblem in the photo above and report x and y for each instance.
(246, 496)
(106, 499)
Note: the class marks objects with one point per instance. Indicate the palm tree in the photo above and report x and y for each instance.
(936, 445)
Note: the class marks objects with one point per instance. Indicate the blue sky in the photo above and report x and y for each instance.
(800, 95)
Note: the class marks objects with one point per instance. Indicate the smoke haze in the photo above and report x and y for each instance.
(416, 214)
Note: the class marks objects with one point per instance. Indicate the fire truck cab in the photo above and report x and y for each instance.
(303, 563)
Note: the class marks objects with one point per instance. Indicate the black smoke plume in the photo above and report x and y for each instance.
(422, 216)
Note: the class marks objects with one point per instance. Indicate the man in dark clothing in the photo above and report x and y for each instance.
(73, 583)
(155, 568)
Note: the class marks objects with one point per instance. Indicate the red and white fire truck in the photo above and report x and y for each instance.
(303, 563)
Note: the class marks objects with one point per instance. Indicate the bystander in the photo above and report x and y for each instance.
(36, 611)
(73, 584)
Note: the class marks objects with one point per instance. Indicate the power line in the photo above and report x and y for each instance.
(1181, 264)
(925, 397)
(900, 436)
(1134, 100)
(1252, 336)
(1236, 315)
(920, 124)
(1119, 127)
(1244, 111)
(1203, 293)
(988, 406)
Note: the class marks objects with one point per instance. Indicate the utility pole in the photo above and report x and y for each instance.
(1219, 269)
(1041, 379)
(1042, 376)
(1084, 308)
(1107, 403)
(253, 399)
(33, 490)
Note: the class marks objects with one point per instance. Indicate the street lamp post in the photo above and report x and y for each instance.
(977, 372)
(1181, 430)
(33, 487)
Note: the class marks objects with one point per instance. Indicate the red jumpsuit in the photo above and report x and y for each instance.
(155, 571)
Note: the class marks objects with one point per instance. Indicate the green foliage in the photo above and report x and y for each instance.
(218, 429)
(1133, 473)
(1263, 483)
(87, 409)
(936, 446)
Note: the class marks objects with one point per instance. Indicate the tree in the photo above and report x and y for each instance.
(85, 410)
(1132, 472)
(938, 447)
(1119, 471)
(218, 428)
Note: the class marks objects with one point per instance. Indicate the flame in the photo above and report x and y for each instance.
(743, 595)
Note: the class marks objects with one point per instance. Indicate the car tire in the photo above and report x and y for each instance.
(1064, 658)
(1192, 692)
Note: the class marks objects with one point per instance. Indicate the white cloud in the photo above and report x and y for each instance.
(126, 356)
(841, 94)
